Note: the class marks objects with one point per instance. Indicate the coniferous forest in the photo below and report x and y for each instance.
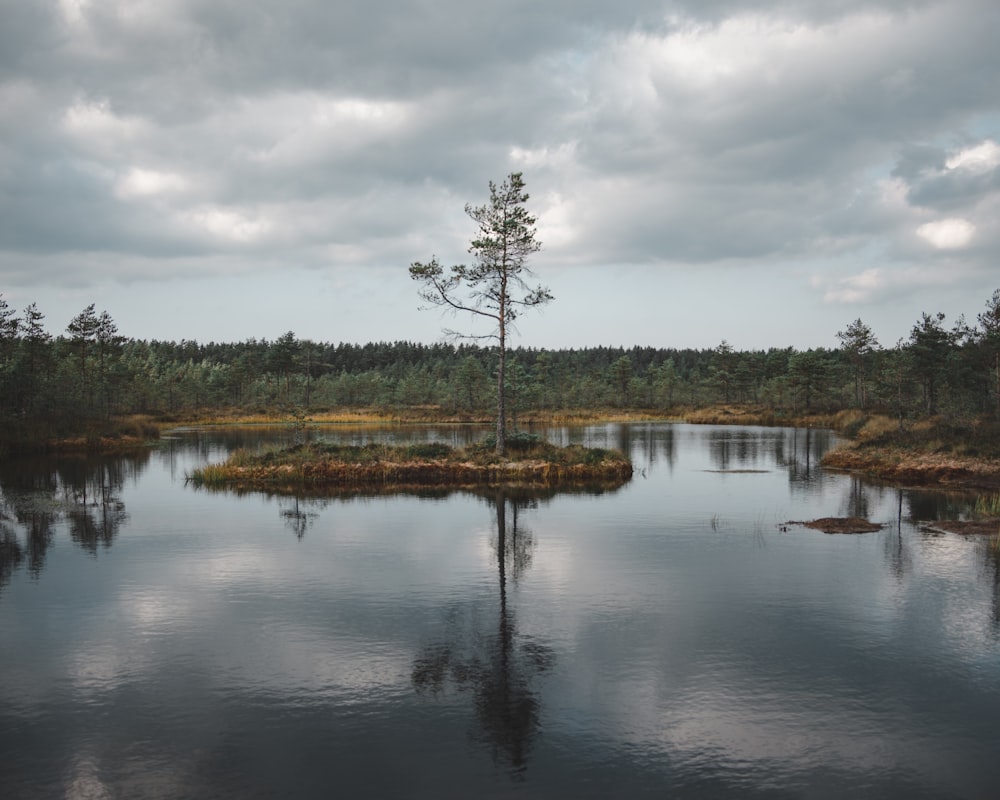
(80, 379)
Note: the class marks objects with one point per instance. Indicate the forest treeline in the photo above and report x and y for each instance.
(89, 374)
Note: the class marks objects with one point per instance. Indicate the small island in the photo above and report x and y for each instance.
(838, 525)
(529, 462)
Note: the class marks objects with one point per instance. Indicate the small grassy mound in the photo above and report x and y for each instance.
(840, 525)
(529, 462)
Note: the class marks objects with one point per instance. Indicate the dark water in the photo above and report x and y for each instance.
(668, 639)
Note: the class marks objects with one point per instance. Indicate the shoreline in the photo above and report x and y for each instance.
(869, 449)
(416, 476)
(919, 470)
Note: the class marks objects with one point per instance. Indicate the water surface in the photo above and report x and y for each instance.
(670, 638)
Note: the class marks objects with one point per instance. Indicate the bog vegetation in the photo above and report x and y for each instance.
(86, 377)
(530, 461)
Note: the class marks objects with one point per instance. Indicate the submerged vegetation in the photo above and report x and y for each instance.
(983, 521)
(839, 525)
(530, 462)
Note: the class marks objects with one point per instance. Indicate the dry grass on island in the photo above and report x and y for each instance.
(933, 452)
(531, 462)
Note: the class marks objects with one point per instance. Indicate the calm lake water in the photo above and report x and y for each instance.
(671, 638)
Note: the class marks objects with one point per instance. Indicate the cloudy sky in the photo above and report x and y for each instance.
(758, 171)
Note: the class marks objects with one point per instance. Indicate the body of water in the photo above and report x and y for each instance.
(674, 637)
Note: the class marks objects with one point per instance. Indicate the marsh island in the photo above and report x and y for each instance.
(529, 461)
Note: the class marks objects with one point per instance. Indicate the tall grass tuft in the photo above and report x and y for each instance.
(140, 426)
(210, 475)
(877, 427)
(849, 421)
(988, 505)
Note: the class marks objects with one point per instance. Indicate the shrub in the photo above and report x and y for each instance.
(850, 422)
(429, 450)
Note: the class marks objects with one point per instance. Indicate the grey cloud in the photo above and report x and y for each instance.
(222, 98)
(939, 188)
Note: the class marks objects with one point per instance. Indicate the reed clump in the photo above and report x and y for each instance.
(529, 462)
(988, 505)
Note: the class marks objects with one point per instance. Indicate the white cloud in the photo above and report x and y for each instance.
(560, 156)
(95, 128)
(878, 284)
(984, 157)
(860, 288)
(301, 129)
(146, 182)
(235, 226)
(947, 234)
(73, 11)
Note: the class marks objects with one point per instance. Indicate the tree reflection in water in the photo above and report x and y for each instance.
(989, 547)
(496, 667)
(297, 518)
(95, 511)
(897, 556)
(37, 494)
(11, 552)
(36, 526)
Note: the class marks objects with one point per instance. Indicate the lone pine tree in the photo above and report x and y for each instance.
(493, 286)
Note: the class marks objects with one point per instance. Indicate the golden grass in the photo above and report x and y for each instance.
(411, 415)
(955, 454)
(325, 465)
(719, 414)
(917, 468)
(277, 417)
(755, 415)
(849, 418)
(728, 415)
(877, 427)
(988, 505)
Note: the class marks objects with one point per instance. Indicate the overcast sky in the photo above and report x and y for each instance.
(761, 172)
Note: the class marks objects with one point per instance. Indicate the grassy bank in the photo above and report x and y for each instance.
(532, 462)
(118, 434)
(138, 429)
(932, 452)
(409, 415)
(706, 415)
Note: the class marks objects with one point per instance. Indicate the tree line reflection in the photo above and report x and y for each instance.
(38, 495)
(795, 450)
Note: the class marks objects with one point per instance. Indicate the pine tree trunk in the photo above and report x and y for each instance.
(501, 448)
(996, 369)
